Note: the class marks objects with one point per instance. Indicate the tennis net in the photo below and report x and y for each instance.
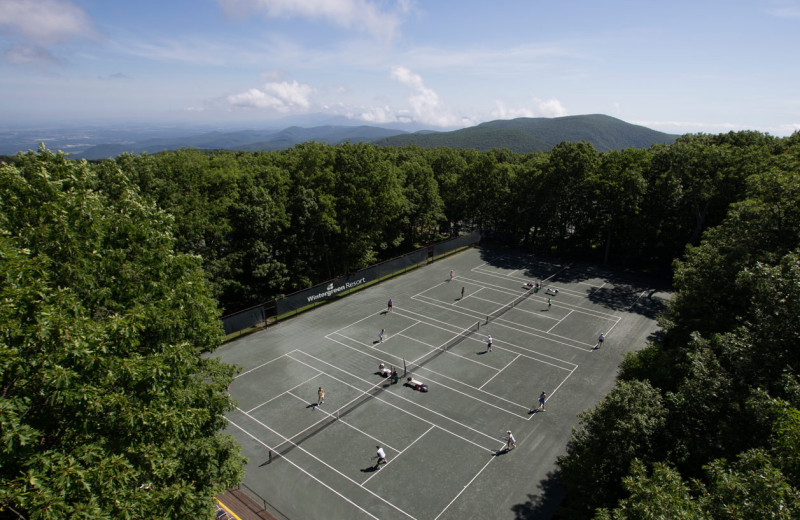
(519, 299)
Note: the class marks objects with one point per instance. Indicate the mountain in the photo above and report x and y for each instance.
(526, 134)
(245, 140)
(522, 135)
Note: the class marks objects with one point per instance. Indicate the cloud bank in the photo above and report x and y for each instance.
(37, 26)
(283, 97)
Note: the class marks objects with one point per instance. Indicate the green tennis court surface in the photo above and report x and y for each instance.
(444, 446)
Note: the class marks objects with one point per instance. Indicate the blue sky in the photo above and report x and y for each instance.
(678, 66)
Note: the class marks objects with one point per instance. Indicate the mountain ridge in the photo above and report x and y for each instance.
(527, 135)
(520, 135)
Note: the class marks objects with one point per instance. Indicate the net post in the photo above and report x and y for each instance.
(270, 457)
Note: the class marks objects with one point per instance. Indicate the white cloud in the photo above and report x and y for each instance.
(544, 108)
(362, 15)
(45, 22)
(503, 112)
(376, 115)
(683, 127)
(551, 108)
(425, 105)
(282, 97)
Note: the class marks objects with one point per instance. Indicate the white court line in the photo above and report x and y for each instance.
(512, 328)
(365, 434)
(289, 391)
(465, 358)
(368, 316)
(550, 337)
(474, 315)
(481, 299)
(457, 381)
(595, 289)
(363, 393)
(559, 321)
(636, 300)
(400, 332)
(484, 283)
(554, 391)
(560, 288)
(463, 333)
(470, 295)
(538, 278)
(259, 366)
(309, 474)
(465, 488)
(403, 410)
(326, 465)
(496, 345)
(583, 310)
(427, 320)
(580, 310)
(400, 453)
(413, 403)
(431, 288)
(505, 367)
(629, 308)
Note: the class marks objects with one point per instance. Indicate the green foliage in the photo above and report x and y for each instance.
(108, 409)
(627, 425)
(727, 367)
(114, 272)
(751, 487)
(655, 495)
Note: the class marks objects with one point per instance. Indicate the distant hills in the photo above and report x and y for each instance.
(245, 140)
(538, 134)
(522, 135)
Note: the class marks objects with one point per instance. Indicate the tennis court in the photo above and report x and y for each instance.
(445, 447)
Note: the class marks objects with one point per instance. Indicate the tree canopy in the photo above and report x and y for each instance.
(108, 408)
(726, 370)
(114, 275)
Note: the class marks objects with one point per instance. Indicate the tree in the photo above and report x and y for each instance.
(108, 408)
(627, 425)
(657, 495)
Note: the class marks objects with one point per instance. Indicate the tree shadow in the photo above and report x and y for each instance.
(544, 504)
(627, 292)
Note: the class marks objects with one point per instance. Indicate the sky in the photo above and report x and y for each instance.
(698, 66)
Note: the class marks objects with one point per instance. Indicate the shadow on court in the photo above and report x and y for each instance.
(545, 504)
(625, 293)
(442, 443)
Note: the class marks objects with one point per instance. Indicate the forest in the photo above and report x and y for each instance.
(114, 275)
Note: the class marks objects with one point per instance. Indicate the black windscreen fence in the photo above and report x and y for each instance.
(258, 315)
(320, 293)
(446, 246)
